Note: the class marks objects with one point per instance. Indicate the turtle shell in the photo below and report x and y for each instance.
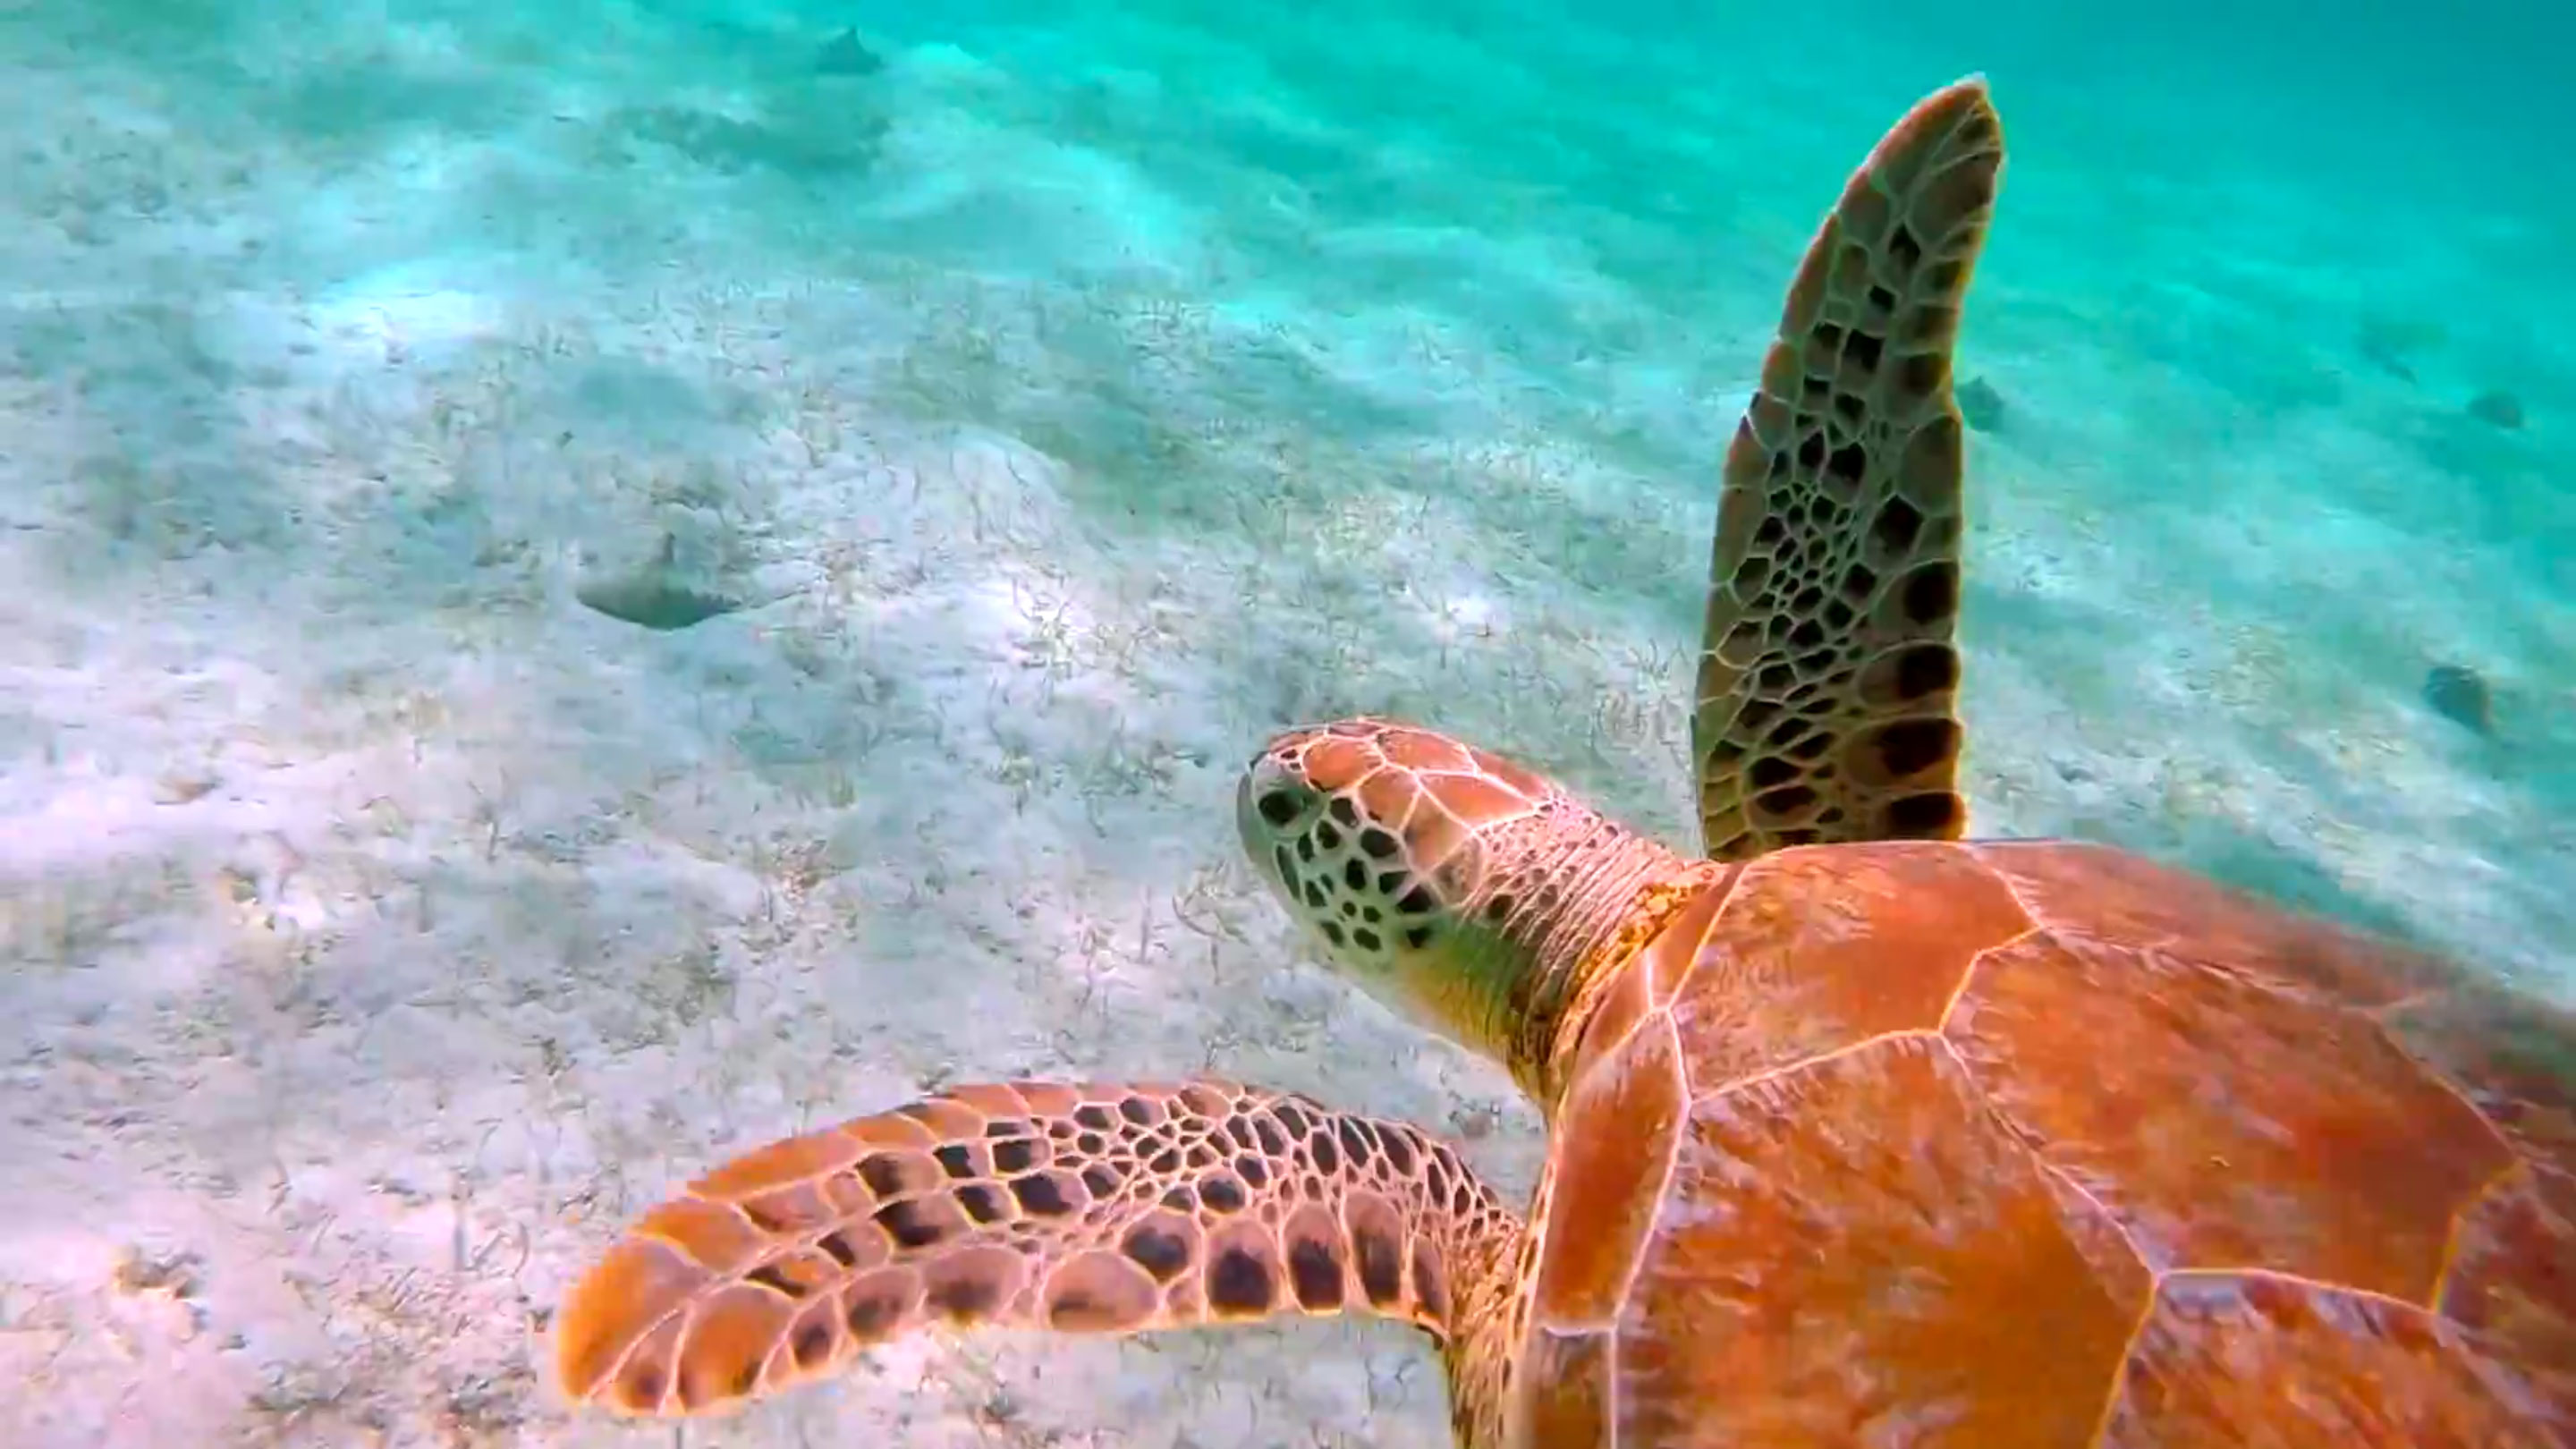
(2042, 1144)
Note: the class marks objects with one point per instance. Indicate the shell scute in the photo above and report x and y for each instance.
(1618, 1125)
(2253, 1359)
(2094, 891)
(2222, 1122)
(1817, 950)
(1858, 1251)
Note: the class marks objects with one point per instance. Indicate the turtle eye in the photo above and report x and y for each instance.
(1279, 808)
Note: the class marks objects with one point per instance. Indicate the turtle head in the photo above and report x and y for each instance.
(1462, 890)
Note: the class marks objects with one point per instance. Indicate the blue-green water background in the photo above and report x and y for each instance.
(1101, 387)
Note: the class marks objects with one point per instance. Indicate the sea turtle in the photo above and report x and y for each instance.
(1861, 1133)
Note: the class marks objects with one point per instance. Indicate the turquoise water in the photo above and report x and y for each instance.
(1069, 396)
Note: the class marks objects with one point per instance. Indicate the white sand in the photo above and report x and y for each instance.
(384, 927)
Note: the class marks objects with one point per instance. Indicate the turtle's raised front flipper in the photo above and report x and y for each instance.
(1100, 1208)
(1825, 710)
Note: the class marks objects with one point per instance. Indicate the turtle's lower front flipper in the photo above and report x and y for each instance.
(1099, 1208)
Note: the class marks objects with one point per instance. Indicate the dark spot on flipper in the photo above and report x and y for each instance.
(955, 1159)
(1848, 464)
(1904, 252)
(1932, 593)
(1018, 1155)
(1354, 1140)
(768, 1276)
(1160, 1250)
(838, 1248)
(1430, 1283)
(1770, 773)
(1931, 815)
(1380, 1259)
(1240, 1285)
(1095, 1118)
(642, 1387)
(983, 1202)
(1288, 1114)
(1100, 1291)
(912, 1224)
(1896, 527)
(876, 1306)
(1908, 675)
(1907, 747)
(1271, 1139)
(964, 1297)
(1926, 670)
(1786, 801)
(883, 1173)
(1040, 1195)
(1100, 1179)
(1075, 1311)
(811, 1344)
(1923, 373)
(1315, 1271)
